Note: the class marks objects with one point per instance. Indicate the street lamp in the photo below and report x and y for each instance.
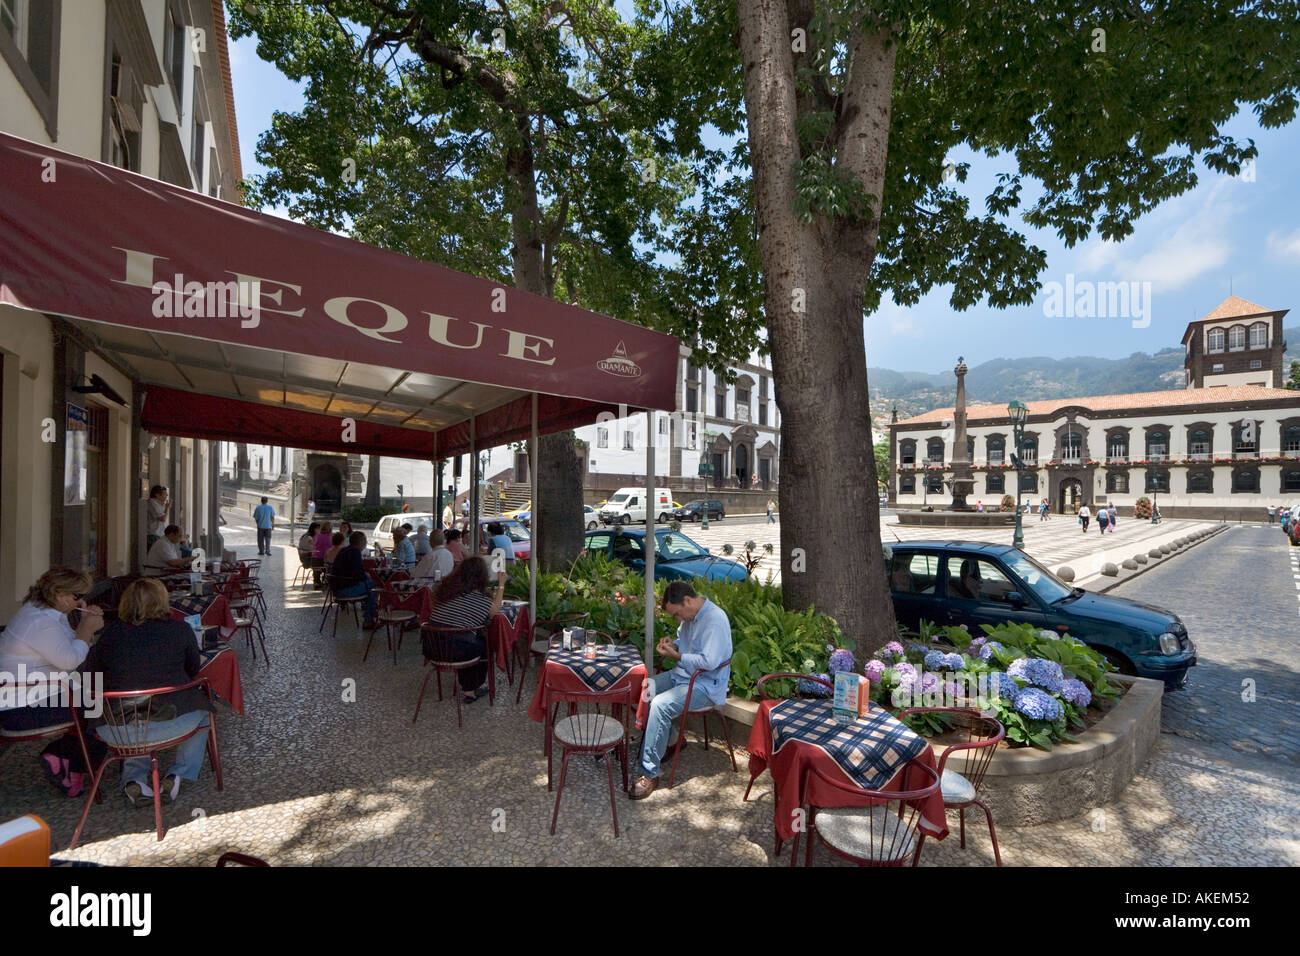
(706, 469)
(1018, 414)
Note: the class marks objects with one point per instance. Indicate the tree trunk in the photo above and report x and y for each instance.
(814, 276)
(241, 464)
(372, 483)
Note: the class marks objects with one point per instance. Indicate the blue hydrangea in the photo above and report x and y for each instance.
(935, 660)
(1036, 705)
(814, 689)
(1000, 685)
(842, 660)
(919, 649)
(986, 650)
(953, 662)
(1041, 673)
(1076, 692)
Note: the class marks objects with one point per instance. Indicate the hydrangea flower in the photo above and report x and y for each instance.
(905, 670)
(1041, 673)
(1049, 635)
(814, 689)
(1037, 705)
(875, 671)
(976, 644)
(929, 683)
(892, 651)
(953, 662)
(954, 689)
(841, 660)
(935, 660)
(986, 650)
(1076, 692)
(1000, 685)
(920, 649)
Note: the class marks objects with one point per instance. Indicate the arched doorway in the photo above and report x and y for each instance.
(742, 465)
(327, 489)
(1071, 496)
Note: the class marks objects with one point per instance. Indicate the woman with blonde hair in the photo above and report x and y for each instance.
(40, 641)
(145, 648)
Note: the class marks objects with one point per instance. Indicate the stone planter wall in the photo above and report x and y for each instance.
(1027, 786)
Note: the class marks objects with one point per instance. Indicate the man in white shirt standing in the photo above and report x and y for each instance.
(158, 506)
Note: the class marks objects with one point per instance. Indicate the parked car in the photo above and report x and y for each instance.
(383, 536)
(520, 539)
(590, 519)
(973, 583)
(518, 512)
(1291, 527)
(677, 556)
(694, 510)
(628, 505)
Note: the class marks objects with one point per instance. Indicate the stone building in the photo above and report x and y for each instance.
(1226, 446)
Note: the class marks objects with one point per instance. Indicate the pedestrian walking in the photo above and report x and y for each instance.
(1272, 513)
(1043, 514)
(771, 511)
(264, 518)
(1084, 516)
(1114, 513)
(980, 506)
(1103, 519)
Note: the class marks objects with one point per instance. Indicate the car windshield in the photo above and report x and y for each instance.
(1043, 582)
(674, 546)
(617, 499)
(513, 529)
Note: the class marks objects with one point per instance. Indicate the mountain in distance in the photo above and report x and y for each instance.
(999, 381)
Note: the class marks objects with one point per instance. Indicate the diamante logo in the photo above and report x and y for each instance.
(619, 364)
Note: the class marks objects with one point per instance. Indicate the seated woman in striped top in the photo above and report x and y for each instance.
(462, 601)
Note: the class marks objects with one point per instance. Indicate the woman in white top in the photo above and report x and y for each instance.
(38, 642)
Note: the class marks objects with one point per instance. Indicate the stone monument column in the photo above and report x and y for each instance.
(963, 478)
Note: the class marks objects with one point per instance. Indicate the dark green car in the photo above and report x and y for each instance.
(974, 583)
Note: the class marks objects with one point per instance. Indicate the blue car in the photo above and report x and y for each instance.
(677, 558)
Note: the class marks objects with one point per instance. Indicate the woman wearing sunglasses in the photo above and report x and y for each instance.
(41, 641)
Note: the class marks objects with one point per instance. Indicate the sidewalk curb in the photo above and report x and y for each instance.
(1126, 576)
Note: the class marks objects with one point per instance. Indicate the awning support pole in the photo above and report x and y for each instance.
(474, 478)
(532, 550)
(651, 546)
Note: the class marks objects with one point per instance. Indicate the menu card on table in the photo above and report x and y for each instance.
(851, 700)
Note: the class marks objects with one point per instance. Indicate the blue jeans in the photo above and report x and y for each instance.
(666, 704)
(356, 590)
(189, 755)
(263, 540)
(770, 518)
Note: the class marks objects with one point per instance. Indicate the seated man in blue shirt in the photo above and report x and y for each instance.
(703, 644)
(403, 549)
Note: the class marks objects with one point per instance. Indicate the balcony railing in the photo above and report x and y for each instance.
(1157, 455)
(1117, 459)
(1200, 456)
(1072, 459)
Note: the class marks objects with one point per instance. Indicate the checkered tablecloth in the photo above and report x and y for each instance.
(869, 750)
(510, 610)
(188, 604)
(601, 672)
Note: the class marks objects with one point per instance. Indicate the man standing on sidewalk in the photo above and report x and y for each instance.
(264, 518)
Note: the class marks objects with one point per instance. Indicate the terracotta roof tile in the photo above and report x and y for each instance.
(1233, 306)
(1136, 401)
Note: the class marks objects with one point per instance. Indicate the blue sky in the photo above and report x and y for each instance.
(1240, 233)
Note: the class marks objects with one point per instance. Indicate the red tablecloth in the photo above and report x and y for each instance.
(419, 600)
(214, 608)
(563, 679)
(222, 672)
(502, 635)
(789, 764)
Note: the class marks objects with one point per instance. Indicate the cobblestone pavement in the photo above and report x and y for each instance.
(1054, 543)
(1237, 595)
(311, 778)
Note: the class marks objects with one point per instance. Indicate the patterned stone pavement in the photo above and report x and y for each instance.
(312, 777)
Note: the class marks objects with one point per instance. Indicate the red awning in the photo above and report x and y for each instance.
(189, 294)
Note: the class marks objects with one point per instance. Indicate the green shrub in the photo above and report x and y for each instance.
(364, 514)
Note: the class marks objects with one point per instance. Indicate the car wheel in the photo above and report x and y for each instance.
(663, 518)
(591, 526)
(625, 519)
(1119, 662)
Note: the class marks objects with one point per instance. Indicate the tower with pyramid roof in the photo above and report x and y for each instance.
(1239, 343)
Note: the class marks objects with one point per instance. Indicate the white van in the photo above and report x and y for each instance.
(628, 504)
(383, 536)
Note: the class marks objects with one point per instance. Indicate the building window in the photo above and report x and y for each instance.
(1157, 446)
(663, 424)
(692, 400)
(1291, 481)
(1237, 338)
(627, 439)
(1245, 440)
(197, 151)
(692, 435)
(1216, 339)
(1245, 481)
(1029, 482)
(1291, 440)
(29, 42)
(1200, 481)
(1117, 483)
(1158, 481)
(692, 372)
(934, 451)
(720, 405)
(1029, 450)
(1256, 364)
(997, 450)
(970, 449)
(1259, 336)
(934, 484)
(602, 437)
(1071, 447)
(1200, 444)
(174, 53)
(762, 386)
(907, 452)
(995, 483)
(907, 484)
(1216, 368)
(762, 412)
(1117, 449)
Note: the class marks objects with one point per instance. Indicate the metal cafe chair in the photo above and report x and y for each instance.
(128, 718)
(703, 713)
(390, 615)
(961, 782)
(765, 694)
(883, 833)
(335, 603)
(59, 690)
(439, 646)
(587, 731)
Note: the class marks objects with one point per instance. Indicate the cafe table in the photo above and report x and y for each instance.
(415, 594)
(221, 668)
(573, 671)
(507, 626)
(875, 752)
(213, 610)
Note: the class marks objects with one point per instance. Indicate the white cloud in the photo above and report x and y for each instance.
(1285, 247)
(893, 320)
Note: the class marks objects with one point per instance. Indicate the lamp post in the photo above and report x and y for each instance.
(705, 470)
(1018, 412)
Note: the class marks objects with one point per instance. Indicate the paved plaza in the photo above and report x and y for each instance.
(313, 778)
